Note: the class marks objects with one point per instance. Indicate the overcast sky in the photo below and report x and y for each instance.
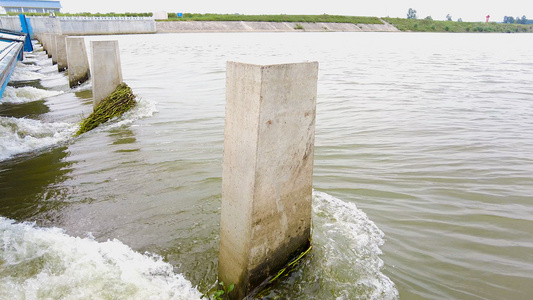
(468, 10)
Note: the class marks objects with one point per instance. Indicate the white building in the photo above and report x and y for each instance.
(30, 6)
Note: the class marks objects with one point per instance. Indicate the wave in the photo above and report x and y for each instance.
(26, 72)
(347, 244)
(20, 135)
(86, 86)
(26, 94)
(345, 260)
(46, 263)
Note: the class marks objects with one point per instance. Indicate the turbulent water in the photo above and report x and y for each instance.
(423, 170)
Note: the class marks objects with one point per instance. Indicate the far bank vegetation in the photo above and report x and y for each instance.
(429, 25)
(275, 18)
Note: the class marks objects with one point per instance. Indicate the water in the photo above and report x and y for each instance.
(429, 135)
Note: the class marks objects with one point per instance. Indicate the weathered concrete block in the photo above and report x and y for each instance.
(40, 37)
(160, 15)
(106, 69)
(78, 63)
(53, 48)
(267, 170)
(46, 41)
(61, 49)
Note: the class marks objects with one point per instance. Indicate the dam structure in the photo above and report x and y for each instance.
(11, 51)
(147, 25)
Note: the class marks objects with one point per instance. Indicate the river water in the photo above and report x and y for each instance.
(423, 170)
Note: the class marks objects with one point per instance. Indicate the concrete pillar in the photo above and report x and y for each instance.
(46, 43)
(78, 63)
(61, 50)
(267, 172)
(106, 69)
(39, 38)
(53, 49)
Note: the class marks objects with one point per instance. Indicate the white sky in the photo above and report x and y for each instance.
(468, 10)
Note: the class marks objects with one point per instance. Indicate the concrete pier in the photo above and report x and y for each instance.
(267, 170)
(46, 41)
(53, 48)
(41, 39)
(106, 69)
(78, 63)
(61, 49)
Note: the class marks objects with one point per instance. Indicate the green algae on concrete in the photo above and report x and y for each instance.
(114, 105)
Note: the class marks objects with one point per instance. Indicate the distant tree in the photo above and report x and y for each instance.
(509, 20)
(523, 20)
(429, 18)
(448, 17)
(411, 14)
(459, 20)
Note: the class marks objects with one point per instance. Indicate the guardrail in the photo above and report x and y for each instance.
(104, 18)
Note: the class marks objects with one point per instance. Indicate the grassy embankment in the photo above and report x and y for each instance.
(275, 18)
(424, 25)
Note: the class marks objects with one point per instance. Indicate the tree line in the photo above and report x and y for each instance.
(517, 20)
(412, 14)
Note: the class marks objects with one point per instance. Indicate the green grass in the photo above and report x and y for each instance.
(276, 18)
(424, 25)
(114, 105)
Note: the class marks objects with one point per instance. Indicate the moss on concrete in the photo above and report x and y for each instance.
(114, 105)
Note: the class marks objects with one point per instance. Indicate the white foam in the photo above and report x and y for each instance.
(143, 109)
(45, 63)
(20, 135)
(53, 79)
(86, 86)
(46, 263)
(348, 244)
(24, 72)
(26, 94)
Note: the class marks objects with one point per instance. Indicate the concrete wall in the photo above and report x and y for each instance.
(267, 172)
(240, 26)
(45, 25)
(97, 26)
(12, 23)
(82, 25)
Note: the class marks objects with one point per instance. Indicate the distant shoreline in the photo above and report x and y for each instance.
(108, 25)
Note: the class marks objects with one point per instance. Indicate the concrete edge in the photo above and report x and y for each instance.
(245, 26)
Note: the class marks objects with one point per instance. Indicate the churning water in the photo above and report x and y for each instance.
(430, 135)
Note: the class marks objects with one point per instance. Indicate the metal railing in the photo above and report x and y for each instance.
(103, 18)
